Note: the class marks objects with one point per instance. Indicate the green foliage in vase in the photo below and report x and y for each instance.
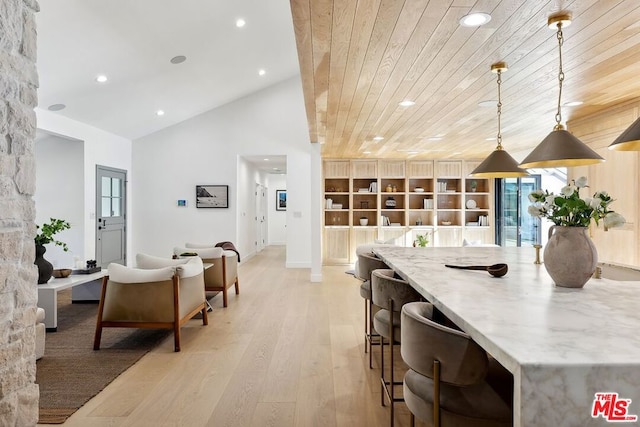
(569, 210)
(48, 230)
(422, 240)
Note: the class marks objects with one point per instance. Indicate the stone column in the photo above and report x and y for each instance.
(18, 289)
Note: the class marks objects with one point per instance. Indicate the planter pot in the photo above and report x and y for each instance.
(364, 221)
(45, 268)
(570, 256)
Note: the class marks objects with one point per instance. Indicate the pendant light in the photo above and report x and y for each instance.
(499, 164)
(560, 148)
(629, 140)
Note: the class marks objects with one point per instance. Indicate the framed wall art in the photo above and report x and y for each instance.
(212, 196)
(281, 200)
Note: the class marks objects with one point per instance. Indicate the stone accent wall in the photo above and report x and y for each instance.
(18, 276)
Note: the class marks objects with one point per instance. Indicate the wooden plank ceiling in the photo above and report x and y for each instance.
(360, 58)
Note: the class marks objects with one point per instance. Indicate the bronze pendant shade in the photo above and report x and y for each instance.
(629, 140)
(560, 148)
(499, 164)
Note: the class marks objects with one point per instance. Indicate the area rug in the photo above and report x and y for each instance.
(71, 372)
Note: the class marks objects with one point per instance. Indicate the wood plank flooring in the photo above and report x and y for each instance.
(285, 352)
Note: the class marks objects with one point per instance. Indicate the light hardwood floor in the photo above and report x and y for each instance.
(285, 352)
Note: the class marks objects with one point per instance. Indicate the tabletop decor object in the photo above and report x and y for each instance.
(45, 236)
(570, 256)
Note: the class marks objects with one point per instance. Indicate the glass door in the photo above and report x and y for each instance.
(515, 227)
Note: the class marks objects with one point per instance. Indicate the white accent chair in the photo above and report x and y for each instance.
(161, 293)
(224, 272)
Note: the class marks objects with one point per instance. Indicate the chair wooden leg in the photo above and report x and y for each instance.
(412, 419)
(436, 393)
(176, 336)
(237, 286)
(391, 366)
(205, 317)
(224, 296)
(98, 336)
(382, 379)
(367, 333)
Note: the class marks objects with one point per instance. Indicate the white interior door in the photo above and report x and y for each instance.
(111, 230)
(261, 217)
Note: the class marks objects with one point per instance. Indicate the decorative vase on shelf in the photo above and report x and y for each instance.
(390, 202)
(45, 268)
(570, 256)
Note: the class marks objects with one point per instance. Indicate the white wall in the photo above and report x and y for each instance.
(60, 194)
(277, 220)
(204, 150)
(100, 148)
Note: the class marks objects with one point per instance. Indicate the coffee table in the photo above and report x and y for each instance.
(48, 295)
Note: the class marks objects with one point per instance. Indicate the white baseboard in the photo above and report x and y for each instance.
(298, 265)
(316, 278)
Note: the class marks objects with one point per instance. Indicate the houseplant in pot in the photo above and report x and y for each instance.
(570, 256)
(44, 236)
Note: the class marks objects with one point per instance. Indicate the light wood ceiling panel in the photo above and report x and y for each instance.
(360, 58)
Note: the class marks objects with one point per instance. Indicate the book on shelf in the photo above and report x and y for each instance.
(373, 187)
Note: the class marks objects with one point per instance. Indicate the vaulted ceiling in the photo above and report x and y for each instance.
(360, 59)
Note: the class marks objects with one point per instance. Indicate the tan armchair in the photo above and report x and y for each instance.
(162, 293)
(224, 272)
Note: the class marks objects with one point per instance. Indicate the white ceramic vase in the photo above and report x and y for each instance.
(570, 256)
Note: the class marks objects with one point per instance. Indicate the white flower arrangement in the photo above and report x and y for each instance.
(569, 210)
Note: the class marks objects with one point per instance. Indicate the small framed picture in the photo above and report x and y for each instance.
(212, 196)
(182, 203)
(281, 200)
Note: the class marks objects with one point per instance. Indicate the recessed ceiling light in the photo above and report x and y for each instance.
(159, 113)
(366, 152)
(435, 138)
(406, 103)
(261, 72)
(240, 23)
(178, 59)
(276, 169)
(491, 138)
(488, 103)
(573, 103)
(56, 107)
(266, 160)
(475, 19)
(412, 152)
(378, 138)
(101, 78)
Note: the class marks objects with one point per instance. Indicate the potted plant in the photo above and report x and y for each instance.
(473, 185)
(421, 240)
(43, 237)
(570, 257)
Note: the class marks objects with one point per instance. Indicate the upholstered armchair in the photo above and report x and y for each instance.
(160, 293)
(222, 274)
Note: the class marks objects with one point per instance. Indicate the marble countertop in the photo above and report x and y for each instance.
(523, 318)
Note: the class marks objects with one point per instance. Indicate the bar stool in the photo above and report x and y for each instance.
(367, 262)
(451, 380)
(390, 293)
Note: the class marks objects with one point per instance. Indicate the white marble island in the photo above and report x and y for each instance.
(562, 345)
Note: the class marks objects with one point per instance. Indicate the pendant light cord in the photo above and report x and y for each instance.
(499, 136)
(560, 77)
